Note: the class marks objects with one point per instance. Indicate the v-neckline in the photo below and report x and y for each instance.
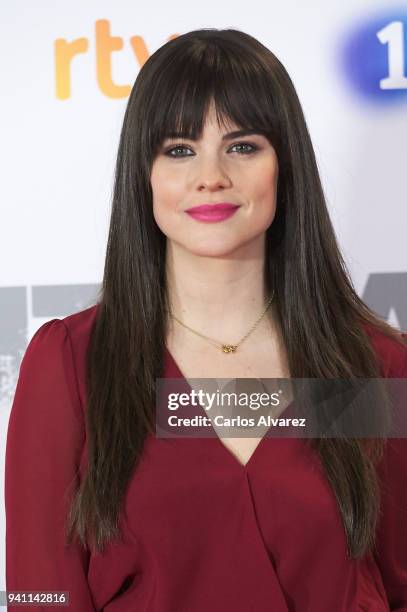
(218, 444)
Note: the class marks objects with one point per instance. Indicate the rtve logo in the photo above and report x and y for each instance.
(105, 45)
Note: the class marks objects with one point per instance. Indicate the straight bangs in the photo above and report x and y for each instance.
(197, 74)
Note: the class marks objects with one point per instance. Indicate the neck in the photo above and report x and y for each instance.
(221, 297)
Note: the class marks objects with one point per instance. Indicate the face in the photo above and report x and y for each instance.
(217, 168)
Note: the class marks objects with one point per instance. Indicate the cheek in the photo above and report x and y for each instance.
(265, 190)
(166, 203)
(167, 191)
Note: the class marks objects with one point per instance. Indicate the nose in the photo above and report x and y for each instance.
(211, 175)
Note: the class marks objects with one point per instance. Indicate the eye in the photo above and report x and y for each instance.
(181, 147)
(175, 148)
(246, 144)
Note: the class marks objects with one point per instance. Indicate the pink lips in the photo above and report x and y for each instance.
(212, 213)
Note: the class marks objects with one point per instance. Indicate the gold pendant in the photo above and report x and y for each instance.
(229, 348)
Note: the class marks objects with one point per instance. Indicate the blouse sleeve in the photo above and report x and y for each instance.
(45, 439)
(391, 549)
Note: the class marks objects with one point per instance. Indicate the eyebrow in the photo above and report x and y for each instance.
(229, 136)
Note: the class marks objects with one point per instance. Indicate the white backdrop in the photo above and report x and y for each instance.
(60, 124)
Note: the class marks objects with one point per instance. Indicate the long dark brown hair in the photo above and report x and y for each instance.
(319, 312)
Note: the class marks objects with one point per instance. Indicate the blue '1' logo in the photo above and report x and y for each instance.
(374, 58)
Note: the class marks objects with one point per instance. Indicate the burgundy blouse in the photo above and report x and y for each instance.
(201, 532)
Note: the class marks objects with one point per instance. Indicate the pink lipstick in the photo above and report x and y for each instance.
(212, 213)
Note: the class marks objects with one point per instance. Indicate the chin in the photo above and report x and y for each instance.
(212, 250)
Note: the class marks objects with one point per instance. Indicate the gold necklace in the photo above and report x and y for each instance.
(227, 348)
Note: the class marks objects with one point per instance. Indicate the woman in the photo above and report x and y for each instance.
(99, 506)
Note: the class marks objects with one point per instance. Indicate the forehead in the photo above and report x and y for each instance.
(219, 120)
(212, 122)
(225, 136)
(196, 120)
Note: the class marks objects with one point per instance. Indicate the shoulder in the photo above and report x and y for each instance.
(391, 352)
(81, 322)
(77, 326)
(72, 331)
(58, 349)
